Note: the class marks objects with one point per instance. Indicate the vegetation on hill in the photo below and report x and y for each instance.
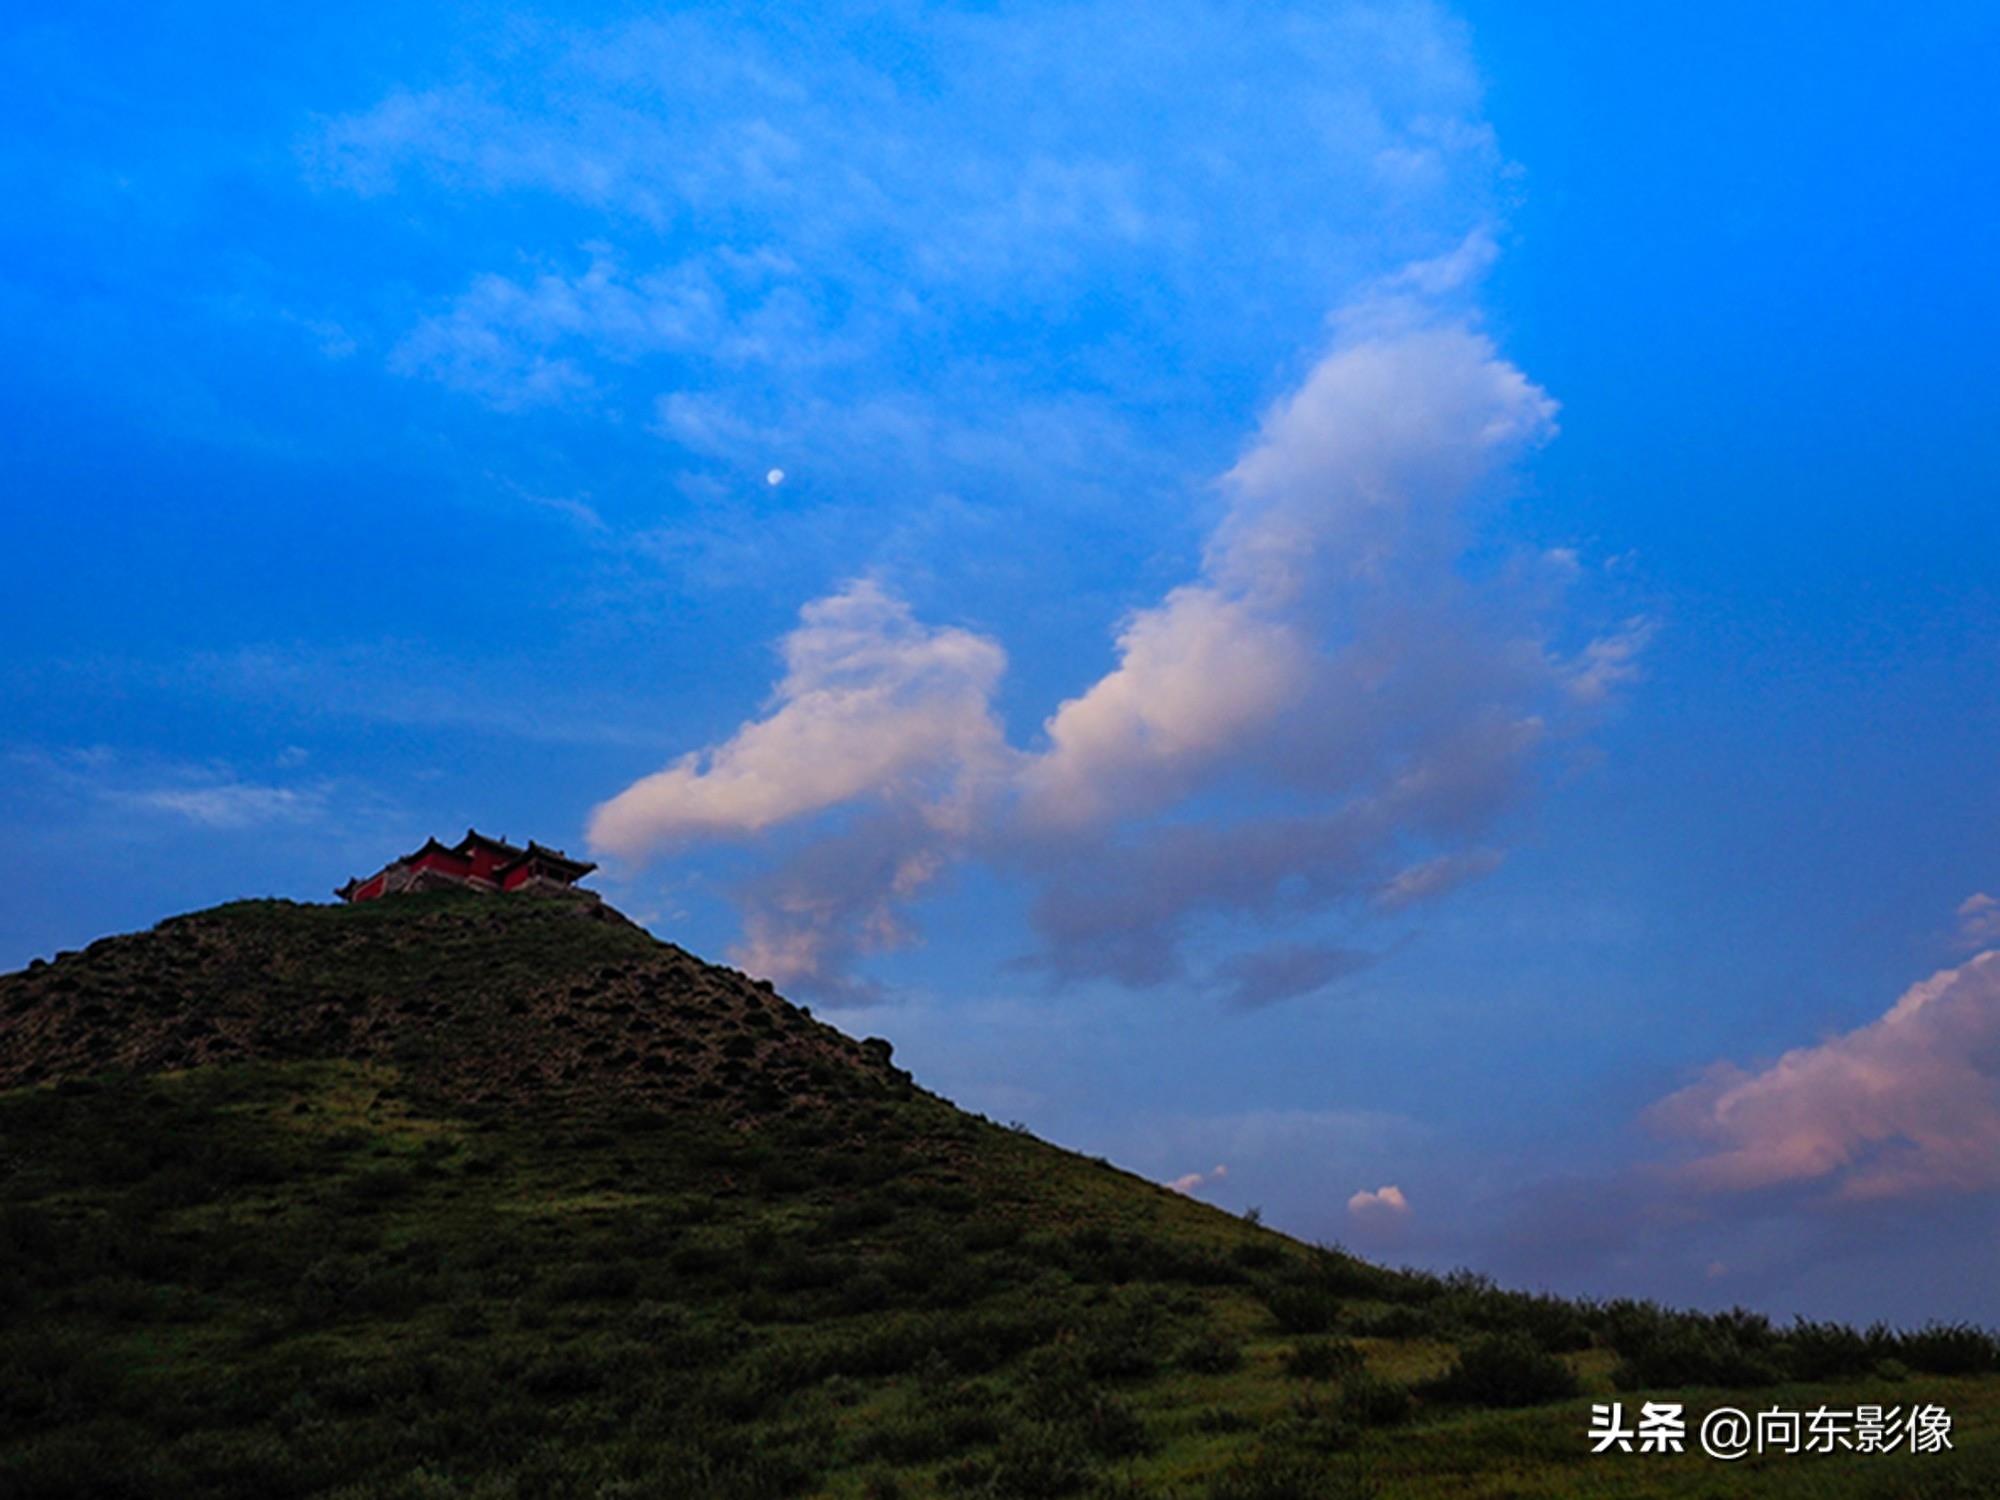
(462, 1196)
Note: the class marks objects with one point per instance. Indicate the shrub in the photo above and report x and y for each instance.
(1040, 1461)
(961, 1285)
(1122, 1343)
(700, 1259)
(1370, 1401)
(1221, 1419)
(983, 1337)
(778, 1176)
(1278, 1474)
(1661, 1348)
(885, 1346)
(1828, 1351)
(1308, 1298)
(1950, 1349)
(56, 1377)
(1396, 1322)
(379, 1185)
(1468, 1302)
(982, 1235)
(1258, 1255)
(1504, 1369)
(591, 1281)
(866, 1292)
(1322, 1359)
(1095, 1254)
(565, 1372)
(1210, 1354)
(1558, 1326)
(926, 1432)
(1052, 1384)
(791, 1269)
(1691, 1353)
(855, 1216)
(1111, 1429)
(1304, 1308)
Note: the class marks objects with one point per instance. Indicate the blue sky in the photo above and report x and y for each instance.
(1368, 597)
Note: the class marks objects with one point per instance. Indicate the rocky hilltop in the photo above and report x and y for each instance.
(485, 1000)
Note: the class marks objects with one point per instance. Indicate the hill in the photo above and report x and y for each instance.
(502, 1197)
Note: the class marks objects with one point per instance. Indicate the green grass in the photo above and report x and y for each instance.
(289, 1280)
(345, 1278)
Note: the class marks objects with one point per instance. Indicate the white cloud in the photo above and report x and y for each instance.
(871, 704)
(232, 804)
(1610, 662)
(1195, 676)
(1189, 1181)
(842, 896)
(1018, 147)
(1330, 654)
(1432, 877)
(1261, 1144)
(1383, 1203)
(1907, 1104)
(849, 212)
(1362, 470)
(1979, 921)
(520, 343)
(210, 795)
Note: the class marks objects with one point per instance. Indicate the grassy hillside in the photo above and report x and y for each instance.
(461, 1196)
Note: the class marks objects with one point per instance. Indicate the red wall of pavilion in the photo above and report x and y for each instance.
(444, 862)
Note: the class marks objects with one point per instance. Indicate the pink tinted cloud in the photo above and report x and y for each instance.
(1188, 1182)
(1383, 1204)
(1907, 1104)
(872, 702)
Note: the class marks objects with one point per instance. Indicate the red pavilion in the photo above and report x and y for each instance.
(476, 861)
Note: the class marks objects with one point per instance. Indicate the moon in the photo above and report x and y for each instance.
(775, 478)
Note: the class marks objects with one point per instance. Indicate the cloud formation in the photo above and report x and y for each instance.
(1195, 675)
(1188, 1182)
(1285, 971)
(1907, 1105)
(209, 795)
(872, 703)
(1978, 921)
(1430, 878)
(743, 224)
(842, 895)
(233, 804)
(1322, 586)
(765, 246)
(1330, 712)
(1383, 1204)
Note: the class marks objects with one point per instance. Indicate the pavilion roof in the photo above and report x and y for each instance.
(577, 868)
(474, 839)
